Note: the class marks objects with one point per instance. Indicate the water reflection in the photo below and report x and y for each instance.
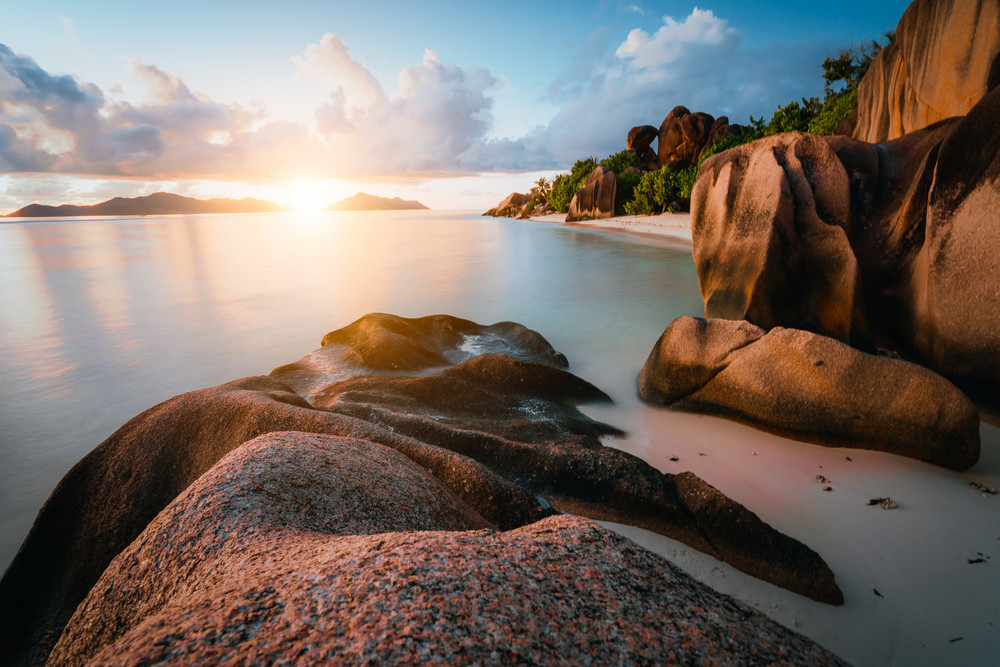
(103, 318)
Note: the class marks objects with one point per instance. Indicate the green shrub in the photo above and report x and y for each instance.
(625, 184)
(836, 108)
(621, 161)
(662, 190)
(565, 185)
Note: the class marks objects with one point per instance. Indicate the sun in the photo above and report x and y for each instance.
(306, 196)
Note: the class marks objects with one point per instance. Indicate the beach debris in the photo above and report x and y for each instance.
(828, 488)
(821, 479)
(848, 458)
(973, 561)
(955, 639)
(674, 459)
(886, 503)
(985, 489)
(875, 591)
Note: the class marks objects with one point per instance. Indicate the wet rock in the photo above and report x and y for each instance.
(596, 199)
(245, 564)
(489, 411)
(943, 61)
(773, 380)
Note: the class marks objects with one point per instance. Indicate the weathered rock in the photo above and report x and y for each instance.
(280, 553)
(943, 61)
(670, 136)
(425, 389)
(720, 128)
(596, 199)
(509, 207)
(107, 499)
(953, 291)
(640, 138)
(683, 135)
(770, 224)
(811, 388)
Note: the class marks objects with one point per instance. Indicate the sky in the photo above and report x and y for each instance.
(307, 102)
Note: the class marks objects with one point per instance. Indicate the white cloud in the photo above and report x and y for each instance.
(675, 40)
(700, 62)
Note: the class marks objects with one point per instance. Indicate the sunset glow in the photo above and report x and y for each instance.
(443, 110)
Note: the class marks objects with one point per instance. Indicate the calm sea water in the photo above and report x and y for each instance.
(103, 318)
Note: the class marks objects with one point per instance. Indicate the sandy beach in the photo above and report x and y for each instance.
(921, 581)
(673, 226)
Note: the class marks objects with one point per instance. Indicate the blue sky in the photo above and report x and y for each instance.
(452, 103)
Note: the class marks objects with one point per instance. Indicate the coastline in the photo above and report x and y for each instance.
(675, 226)
(918, 582)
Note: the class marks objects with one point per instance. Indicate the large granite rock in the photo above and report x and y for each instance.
(943, 61)
(811, 388)
(894, 244)
(682, 137)
(596, 199)
(639, 141)
(770, 223)
(303, 548)
(509, 207)
(487, 410)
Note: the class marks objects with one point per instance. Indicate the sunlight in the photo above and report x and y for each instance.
(306, 197)
(311, 195)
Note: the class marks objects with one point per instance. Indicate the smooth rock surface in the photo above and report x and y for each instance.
(509, 207)
(487, 410)
(770, 223)
(596, 199)
(943, 61)
(811, 388)
(247, 563)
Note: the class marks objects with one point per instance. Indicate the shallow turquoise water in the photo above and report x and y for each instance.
(103, 318)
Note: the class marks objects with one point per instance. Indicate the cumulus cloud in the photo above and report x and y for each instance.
(702, 30)
(699, 61)
(437, 122)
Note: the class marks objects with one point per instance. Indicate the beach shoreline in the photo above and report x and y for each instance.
(675, 226)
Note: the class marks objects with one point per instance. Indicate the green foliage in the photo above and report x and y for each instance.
(565, 185)
(662, 190)
(850, 64)
(625, 184)
(793, 117)
(621, 161)
(731, 140)
(836, 108)
(540, 192)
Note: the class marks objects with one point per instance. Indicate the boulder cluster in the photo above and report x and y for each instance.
(889, 247)
(520, 206)
(682, 139)
(288, 516)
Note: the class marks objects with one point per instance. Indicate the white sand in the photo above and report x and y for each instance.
(933, 607)
(676, 226)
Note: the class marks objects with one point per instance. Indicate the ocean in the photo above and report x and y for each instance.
(102, 318)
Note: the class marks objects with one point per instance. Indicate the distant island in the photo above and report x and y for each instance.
(366, 202)
(165, 203)
(160, 203)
